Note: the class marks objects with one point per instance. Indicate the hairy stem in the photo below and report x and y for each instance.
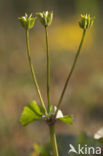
(71, 71)
(32, 71)
(48, 68)
(53, 140)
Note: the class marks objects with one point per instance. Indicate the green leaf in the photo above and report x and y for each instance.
(67, 119)
(35, 107)
(31, 112)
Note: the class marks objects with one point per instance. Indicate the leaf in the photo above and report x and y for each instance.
(35, 107)
(31, 112)
(67, 119)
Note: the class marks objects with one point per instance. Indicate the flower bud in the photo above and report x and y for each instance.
(86, 21)
(45, 17)
(27, 22)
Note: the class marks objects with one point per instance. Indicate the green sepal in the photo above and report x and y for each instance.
(41, 17)
(27, 22)
(86, 21)
(31, 112)
(68, 119)
(45, 17)
(49, 18)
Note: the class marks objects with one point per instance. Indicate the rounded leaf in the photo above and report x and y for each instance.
(31, 112)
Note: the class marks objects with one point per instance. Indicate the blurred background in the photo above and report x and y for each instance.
(84, 96)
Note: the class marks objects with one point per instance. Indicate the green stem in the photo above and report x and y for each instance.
(53, 140)
(71, 71)
(32, 71)
(48, 68)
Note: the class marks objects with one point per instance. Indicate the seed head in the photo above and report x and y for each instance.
(26, 21)
(45, 17)
(86, 21)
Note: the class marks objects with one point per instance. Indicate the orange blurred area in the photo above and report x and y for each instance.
(68, 35)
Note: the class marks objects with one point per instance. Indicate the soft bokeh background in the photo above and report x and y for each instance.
(84, 96)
